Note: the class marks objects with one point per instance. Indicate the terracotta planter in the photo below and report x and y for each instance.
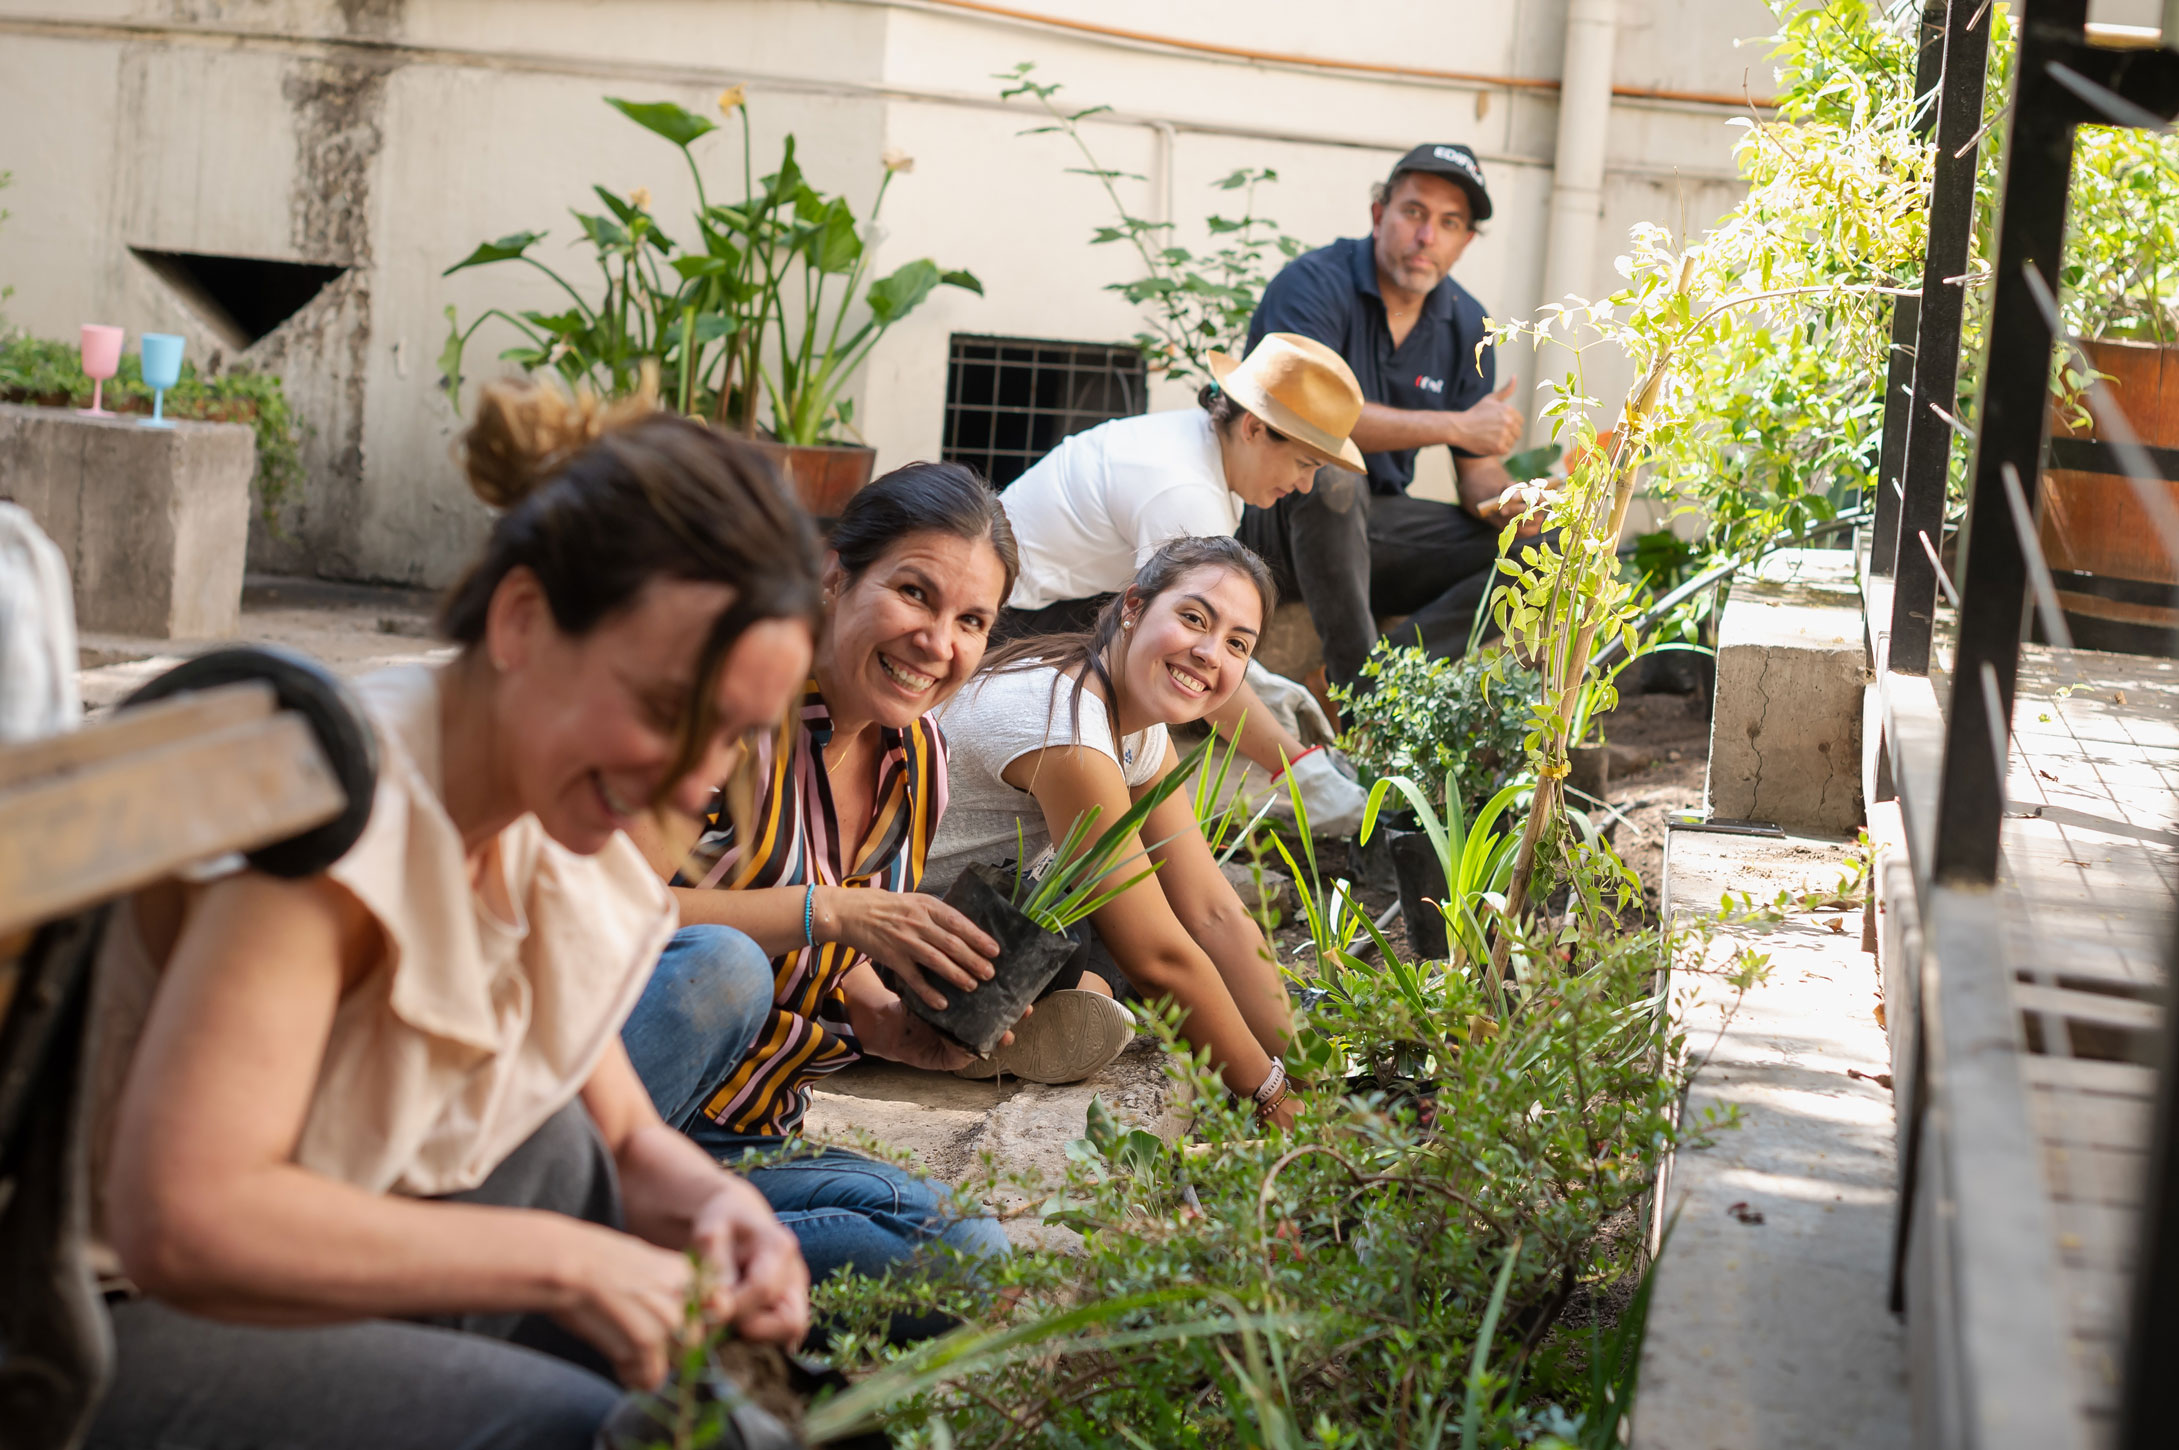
(2116, 584)
(824, 475)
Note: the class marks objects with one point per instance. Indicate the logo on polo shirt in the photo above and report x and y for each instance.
(1429, 385)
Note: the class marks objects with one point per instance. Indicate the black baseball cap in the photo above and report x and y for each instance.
(1455, 161)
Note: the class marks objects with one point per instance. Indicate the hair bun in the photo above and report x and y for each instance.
(526, 431)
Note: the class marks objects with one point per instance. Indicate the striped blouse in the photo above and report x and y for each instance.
(798, 842)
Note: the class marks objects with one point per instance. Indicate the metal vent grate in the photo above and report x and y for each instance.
(1009, 400)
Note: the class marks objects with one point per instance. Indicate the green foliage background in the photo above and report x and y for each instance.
(1422, 717)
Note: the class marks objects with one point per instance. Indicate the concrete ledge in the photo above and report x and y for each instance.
(153, 522)
(1768, 1325)
(1785, 738)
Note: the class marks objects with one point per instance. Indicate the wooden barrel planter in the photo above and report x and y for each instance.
(824, 476)
(2117, 586)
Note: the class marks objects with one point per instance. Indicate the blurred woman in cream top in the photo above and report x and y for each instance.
(379, 1170)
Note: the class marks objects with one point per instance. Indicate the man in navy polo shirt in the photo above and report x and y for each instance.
(1357, 547)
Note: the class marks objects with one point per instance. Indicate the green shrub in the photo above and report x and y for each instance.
(1399, 1273)
(1424, 717)
(50, 374)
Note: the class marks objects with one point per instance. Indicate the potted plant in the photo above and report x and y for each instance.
(1031, 915)
(2122, 307)
(766, 302)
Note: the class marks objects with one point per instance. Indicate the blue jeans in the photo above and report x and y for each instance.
(707, 1001)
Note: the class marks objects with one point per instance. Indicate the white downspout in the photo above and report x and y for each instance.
(1162, 188)
(1577, 174)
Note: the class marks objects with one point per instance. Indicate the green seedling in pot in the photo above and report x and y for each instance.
(1068, 891)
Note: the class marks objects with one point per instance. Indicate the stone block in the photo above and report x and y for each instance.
(1785, 736)
(153, 521)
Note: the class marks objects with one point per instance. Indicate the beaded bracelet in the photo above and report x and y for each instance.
(1272, 1090)
(809, 914)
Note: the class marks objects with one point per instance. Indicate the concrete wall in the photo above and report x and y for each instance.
(389, 136)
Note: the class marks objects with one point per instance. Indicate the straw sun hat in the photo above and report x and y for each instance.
(1301, 388)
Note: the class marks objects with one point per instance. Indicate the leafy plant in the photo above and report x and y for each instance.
(1409, 1272)
(2121, 265)
(50, 374)
(1072, 888)
(1221, 808)
(1422, 717)
(1193, 303)
(756, 305)
(1477, 861)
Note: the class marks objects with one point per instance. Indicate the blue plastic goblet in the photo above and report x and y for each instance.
(162, 370)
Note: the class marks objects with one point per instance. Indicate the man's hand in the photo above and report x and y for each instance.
(1492, 427)
(1527, 502)
(758, 1281)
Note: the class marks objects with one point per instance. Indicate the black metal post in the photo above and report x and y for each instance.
(2015, 406)
(1905, 318)
(1928, 448)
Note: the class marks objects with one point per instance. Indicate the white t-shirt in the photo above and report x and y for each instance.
(995, 721)
(1094, 508)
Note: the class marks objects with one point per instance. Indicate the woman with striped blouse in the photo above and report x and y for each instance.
(771, 982)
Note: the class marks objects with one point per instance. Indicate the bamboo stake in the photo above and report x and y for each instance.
(1544, 805)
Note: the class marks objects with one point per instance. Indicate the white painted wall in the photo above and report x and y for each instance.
(213, 125)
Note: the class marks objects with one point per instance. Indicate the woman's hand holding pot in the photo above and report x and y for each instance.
(758, 1281)
(898, 1035)
(914, 934)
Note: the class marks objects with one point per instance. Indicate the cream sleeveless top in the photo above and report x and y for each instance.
(475, 1028)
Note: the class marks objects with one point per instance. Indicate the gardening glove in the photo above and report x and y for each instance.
(1291, 704)
(1333, 802)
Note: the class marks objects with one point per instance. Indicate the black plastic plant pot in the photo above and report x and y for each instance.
(1394, 1094)
(1029, 957)
(1422, 885)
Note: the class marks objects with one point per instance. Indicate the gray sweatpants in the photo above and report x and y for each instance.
(478, 1382)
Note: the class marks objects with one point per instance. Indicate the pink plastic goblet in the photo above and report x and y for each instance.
(101, 357)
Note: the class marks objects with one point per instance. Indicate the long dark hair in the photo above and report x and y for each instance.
(1083, 651)
(946, 498)
(598, 500)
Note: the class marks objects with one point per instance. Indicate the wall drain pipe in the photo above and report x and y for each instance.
(1577, 170)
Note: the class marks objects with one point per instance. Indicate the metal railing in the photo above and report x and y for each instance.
(1958, 759)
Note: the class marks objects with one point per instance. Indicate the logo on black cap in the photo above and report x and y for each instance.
(1455, 161)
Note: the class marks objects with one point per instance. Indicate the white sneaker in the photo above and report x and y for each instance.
(1334, 803)
(1071, 1035)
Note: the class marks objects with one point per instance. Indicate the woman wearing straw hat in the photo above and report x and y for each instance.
(1095, 508)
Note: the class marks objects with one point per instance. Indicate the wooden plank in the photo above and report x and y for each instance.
(147, 727)
(110, 828)
(2097, 1301)
(2084, 1075)
(2096, 1235)
(2096, 1375)
(2095, 1175)
(2098, 1007)
(2003, 1253)
(1914, 733)
(2093, 1120)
